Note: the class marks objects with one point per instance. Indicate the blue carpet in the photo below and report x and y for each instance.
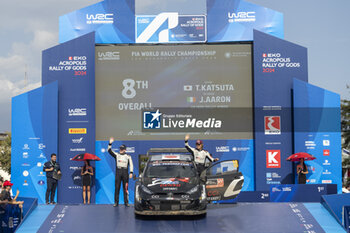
(324, 218)
(35, 219)
(241, 217)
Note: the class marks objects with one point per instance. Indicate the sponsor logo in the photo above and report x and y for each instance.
(326, 152)
(170, 182)
(287, 189)
(25, 183)
(152, 120)
(214, 183)
(77, 112)
(41, 182)
(77, 140)
(275, 189)
(77, 149)
(25, 155)
(99, 18)
(39, 164)
(108, 56)
(273, 159)
(74, 168)
(41, 146)
(312, 180)
(222, 149)
(243, 16)
(77, 130)
(212, 193)
(235, 149)
(42, 156)
(272, 125)
(77, 178)
(75, 187)
(41, 174)
(326, 143)
(26, 147)
(187, 87)
(25, 173)
(326, 181)
(326, 172)
(326, 162)
(164, 20)
(320, 188)
(25, 164)
(130, 149)
(310, 144)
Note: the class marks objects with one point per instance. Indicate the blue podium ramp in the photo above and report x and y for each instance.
(241, 217)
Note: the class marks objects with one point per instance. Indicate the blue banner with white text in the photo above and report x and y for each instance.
(317, 132)
(34, 138)
(72, 64)
(276, 63)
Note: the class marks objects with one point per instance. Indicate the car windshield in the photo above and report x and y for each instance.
(170, 169)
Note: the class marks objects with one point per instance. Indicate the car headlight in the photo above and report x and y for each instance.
(193, 190)
(145, 189)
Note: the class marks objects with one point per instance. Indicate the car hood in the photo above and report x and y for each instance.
(173, 185)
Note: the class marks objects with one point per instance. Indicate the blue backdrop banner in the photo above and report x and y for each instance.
(113, 21)
(234, 20)
(276, 63)
(317, 132)
(72, 64)
(34, 138)
(124, 21)
(243, 150)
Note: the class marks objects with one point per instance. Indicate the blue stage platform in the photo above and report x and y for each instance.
(241, 217)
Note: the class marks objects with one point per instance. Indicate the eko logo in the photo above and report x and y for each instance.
(129, 91)
(272, 125)
(169, 18)
(273, 159)
(152, 120)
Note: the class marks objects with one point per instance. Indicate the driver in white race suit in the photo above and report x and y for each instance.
(123, 161)
(199, 154)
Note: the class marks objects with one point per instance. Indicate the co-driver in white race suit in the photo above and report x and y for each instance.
(199, 154)
(123, 161)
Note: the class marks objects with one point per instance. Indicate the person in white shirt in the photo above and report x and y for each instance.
(123, 161)
(199, 154)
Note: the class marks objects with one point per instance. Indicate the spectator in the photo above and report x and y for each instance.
(5, 195)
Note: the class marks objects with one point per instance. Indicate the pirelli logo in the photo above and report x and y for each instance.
(77, 130)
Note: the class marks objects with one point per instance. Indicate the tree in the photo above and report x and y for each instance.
(345, 122)
(5, 153)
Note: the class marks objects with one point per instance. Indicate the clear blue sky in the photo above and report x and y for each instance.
(28, 27)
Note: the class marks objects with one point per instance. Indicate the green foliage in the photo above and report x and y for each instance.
(345, 122)
(5, 154)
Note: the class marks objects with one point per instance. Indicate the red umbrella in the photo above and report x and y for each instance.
(85, 156)
(301, 155)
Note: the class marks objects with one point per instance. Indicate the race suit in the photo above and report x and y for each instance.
(121, 174)
(199, 157)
